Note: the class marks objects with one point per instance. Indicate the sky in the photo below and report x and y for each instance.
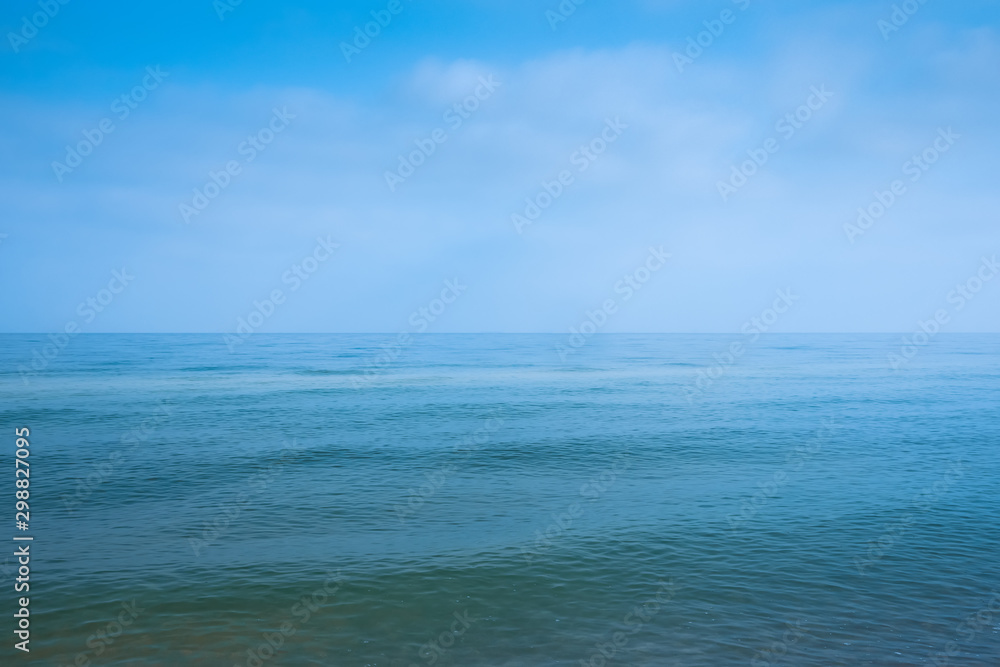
(645, 165)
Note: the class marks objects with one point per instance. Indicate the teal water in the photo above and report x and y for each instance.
(478, 500)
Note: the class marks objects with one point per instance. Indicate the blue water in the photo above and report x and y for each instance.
(809, 505)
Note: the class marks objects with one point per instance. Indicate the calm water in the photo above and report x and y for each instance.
(807, 506)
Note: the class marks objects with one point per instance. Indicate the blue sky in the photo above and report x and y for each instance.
(681, 129)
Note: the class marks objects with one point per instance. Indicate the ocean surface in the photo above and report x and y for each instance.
(467, 500)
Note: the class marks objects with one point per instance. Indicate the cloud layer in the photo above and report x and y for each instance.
(542, 114)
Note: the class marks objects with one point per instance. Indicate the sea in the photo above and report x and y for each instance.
(503, 500)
